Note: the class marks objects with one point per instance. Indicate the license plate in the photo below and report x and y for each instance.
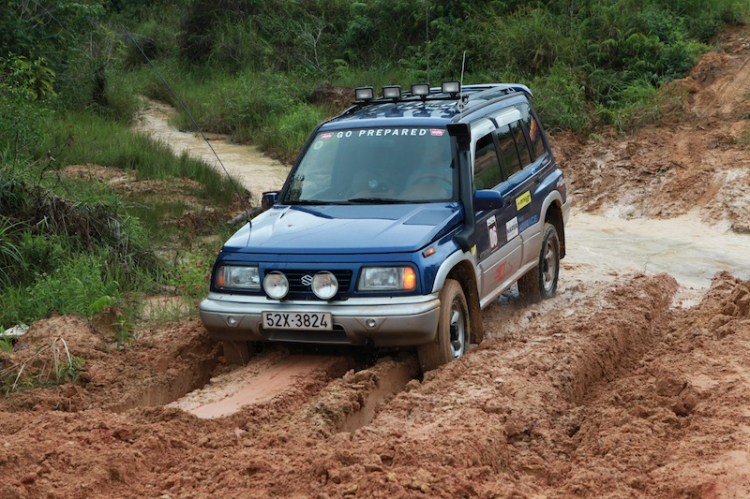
(307, 321)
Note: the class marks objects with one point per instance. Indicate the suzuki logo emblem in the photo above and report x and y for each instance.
(306, 279)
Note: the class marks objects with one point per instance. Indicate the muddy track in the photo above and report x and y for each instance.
(498, 410)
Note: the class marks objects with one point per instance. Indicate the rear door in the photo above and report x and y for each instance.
(521, 184)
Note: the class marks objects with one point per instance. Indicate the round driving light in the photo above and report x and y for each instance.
(371, 323)
(231, 320)
(325, 285)
(276, 285)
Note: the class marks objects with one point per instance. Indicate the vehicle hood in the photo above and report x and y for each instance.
(341, 229)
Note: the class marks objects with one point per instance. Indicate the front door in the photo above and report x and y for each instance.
(499, 248)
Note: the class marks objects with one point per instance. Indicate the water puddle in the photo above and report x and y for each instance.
(245, 164)
(600, 248)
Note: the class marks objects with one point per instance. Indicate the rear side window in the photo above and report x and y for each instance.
(486, 164)
(508, 152)
(535, 134)
(523, 147)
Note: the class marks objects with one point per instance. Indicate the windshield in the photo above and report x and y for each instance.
(375, 165)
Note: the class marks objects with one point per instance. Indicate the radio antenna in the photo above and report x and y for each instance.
(461, 90)
(195, 123)
(427, 38)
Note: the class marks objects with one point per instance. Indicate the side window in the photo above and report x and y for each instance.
(535, 134)
(508, 151)
(486, 164)
(523, 147)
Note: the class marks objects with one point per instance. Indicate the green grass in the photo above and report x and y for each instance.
(98, 140)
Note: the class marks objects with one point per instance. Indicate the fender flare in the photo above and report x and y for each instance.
(448, 265)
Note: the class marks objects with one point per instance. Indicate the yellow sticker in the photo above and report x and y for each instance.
(474, 250)
(523, 200)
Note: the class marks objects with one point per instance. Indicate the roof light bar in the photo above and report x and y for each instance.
(420, 90)
(364, 93)
(392, 92)
(451, 87)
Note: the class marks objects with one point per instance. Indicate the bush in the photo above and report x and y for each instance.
(560, 100)
(287, 135)
(26, 95)
(71, 289)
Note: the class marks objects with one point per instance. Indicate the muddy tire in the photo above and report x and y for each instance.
(540, 283)
(453, 333)
(237, 352)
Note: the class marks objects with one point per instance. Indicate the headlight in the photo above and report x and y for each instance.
(276, 285)
(325, 285)
(229, 277)
(387, 279)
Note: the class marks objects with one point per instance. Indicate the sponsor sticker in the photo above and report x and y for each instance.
(326, 136)
(492, 229)
(523, 200)
(503, 271)
(534, 130)
(436, 132)
(511, 228)
(525, 224)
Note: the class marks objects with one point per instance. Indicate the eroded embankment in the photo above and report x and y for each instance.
(678, 424)
(112, 372)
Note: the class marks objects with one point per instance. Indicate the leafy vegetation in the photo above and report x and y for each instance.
(244, 66)
(72, 79)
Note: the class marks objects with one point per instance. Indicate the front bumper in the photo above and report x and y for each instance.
(394, 321)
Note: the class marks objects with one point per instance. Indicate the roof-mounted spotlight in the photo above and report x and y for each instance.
(363, 94)
(451, 87)
(392, 92)
(420, 90)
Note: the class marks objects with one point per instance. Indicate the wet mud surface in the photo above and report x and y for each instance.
(631, 382)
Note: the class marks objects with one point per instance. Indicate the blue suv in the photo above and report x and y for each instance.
(402, 218)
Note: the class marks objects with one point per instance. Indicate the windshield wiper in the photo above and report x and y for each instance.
(380, 201)
(308, 202)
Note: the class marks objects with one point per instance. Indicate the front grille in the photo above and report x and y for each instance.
(299, 290)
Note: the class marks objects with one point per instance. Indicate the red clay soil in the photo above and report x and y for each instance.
(696, 160)
(605, 391)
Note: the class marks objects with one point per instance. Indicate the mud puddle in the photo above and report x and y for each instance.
(338, 392)
(602, 248)
(271, 375)
(245, 164)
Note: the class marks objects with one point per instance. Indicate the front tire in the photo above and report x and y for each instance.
(454, 326)
(540, 283)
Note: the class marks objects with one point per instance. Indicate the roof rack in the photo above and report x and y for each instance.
(449, 91)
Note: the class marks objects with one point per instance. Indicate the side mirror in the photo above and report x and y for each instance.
(487, 199)
(269, 199)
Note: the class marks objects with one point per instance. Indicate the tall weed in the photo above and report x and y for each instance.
(72, 288)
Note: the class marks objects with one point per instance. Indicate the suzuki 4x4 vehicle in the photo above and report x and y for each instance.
(401, 220)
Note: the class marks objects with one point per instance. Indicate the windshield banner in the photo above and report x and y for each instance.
(384, 132)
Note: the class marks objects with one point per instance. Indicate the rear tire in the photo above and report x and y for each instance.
(237, 352)
(453, 333)
(540, 283)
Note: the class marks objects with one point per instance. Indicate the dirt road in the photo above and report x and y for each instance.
(631, 382)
